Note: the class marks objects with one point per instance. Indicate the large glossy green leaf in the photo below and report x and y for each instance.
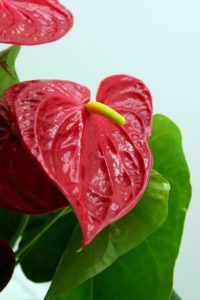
(94, 290)
(114, 241)
(9, 221)
(169, 160)
(146, 272)
(40, 263)
(84, 291)
(8, 75)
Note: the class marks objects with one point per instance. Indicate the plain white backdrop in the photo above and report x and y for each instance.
(157, 41)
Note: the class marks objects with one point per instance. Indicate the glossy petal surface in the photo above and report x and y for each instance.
(130, 97)
(102, 168)
(24, 188)
(33, 22)
(7, 263)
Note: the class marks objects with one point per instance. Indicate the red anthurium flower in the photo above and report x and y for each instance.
(7, 263)
(101, 167)
(24, 188)
(33, 22)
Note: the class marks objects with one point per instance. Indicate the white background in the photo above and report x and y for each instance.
(157, 41)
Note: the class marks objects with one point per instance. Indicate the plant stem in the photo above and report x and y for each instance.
(20, 252)
(20, 230)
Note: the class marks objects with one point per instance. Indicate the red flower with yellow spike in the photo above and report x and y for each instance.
(96, 154)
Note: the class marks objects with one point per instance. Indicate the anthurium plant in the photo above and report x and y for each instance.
(93, 194)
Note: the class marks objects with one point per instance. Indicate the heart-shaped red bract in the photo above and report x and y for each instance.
(7, 263)
(24, 188)
(102, 168)
(33, 22)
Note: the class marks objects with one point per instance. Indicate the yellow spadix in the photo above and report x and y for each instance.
(105, 111)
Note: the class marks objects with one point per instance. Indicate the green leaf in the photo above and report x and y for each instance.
(40, 263)
(94, 289)
(82, 292)
(9, 221)
(169, 160)
(146, 272)
(117, 239)
(8, 75)
(175, 296)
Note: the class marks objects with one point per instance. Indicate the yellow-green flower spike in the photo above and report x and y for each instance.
(105, 111)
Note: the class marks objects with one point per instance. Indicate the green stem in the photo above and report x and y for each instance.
(20, 230)
(20, 252)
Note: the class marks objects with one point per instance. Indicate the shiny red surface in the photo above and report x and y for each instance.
(7, 263)
(24, 188)
(33, 22)
(102, 168)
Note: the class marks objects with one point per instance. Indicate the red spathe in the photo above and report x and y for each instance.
(101, 168)
(24, 188)
(33, 22)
